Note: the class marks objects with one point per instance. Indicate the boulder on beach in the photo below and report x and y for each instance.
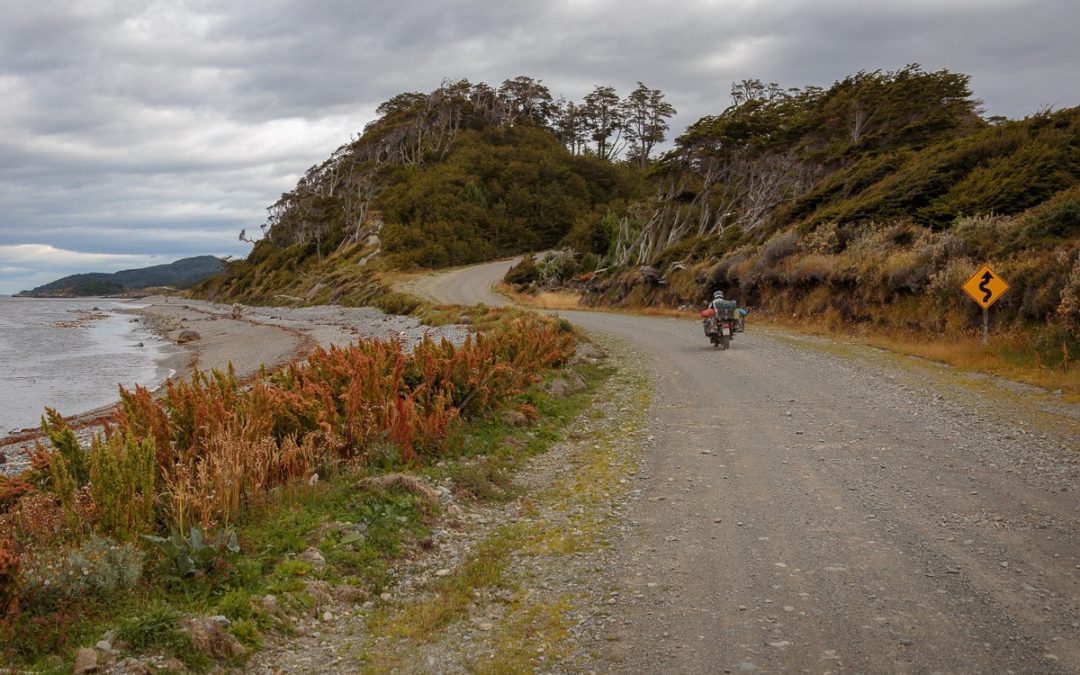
(186, 336)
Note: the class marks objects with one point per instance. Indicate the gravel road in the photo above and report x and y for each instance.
(816, 506)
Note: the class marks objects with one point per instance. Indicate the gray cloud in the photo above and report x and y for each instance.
(160, 128)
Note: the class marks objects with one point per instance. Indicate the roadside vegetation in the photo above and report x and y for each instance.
(170, 531)
(857, 208)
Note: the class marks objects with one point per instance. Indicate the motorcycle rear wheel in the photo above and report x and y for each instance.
(725, 341)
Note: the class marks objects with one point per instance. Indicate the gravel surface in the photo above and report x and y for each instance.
(815, 505)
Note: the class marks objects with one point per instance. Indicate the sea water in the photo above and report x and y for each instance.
(70, 354)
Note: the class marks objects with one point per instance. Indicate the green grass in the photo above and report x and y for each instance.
(499, 452)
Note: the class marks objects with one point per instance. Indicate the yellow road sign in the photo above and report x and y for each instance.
(985, 286)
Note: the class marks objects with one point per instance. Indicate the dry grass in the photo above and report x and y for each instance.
(963, 352)
(543, 300)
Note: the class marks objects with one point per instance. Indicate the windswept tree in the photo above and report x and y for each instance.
(647, 115)
(568, 122)
(605, 121)
(527, 98)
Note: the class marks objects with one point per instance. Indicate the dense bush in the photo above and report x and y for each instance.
(206, 450)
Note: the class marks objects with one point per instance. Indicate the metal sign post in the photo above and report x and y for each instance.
(985, 287)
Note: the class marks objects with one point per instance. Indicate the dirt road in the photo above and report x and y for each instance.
(815, 506)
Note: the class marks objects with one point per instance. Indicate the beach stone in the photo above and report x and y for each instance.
(86, 661)
(187, 336)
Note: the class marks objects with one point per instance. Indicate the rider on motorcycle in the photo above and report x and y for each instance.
(740, 313)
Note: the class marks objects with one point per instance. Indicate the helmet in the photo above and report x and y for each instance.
(719, 295)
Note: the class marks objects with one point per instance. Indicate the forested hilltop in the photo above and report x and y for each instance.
(864, 203)
(462, 174)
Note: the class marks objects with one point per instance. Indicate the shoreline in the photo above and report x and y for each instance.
(270, 336)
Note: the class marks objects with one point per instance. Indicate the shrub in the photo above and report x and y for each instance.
(11, 490)
(65, 447)
(525, 273)
(236, 605)
(397, 303)
(192, 554)
(10, 566)
(1068, 311)
(158, 627)
(98, 567)
(122, 470)
(247, 632)
(779, 246)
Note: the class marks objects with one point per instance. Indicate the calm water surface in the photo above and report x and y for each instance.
(62, 354)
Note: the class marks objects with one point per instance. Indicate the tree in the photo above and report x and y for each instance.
(605, 121)
(527, 98)
(569, 125)
(647, 114)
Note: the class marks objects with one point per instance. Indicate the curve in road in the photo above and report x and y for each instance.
(816, 506)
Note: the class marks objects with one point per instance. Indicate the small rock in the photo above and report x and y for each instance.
(514, 418)
(313, 556)
(271, 604)
(485, 626)
(86, 661)
(328, 616)
(906, 642)
(442, 573)
(386, 597)
(221, 620)
(134, 666)
(103, 645)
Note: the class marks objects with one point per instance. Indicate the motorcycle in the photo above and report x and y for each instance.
(721, 323)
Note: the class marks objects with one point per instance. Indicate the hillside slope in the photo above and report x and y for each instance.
(462, 174)
(865, 205)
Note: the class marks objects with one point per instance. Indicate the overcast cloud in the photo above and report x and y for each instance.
(134, 133)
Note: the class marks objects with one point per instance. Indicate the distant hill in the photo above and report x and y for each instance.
(180, 274)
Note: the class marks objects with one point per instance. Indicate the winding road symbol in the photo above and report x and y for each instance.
(985, 286)
(986, 278)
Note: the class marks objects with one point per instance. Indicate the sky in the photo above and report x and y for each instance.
(137, 132)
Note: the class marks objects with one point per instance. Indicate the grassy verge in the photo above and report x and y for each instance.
(329, 512)
(511, 604)
(1010, 355)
